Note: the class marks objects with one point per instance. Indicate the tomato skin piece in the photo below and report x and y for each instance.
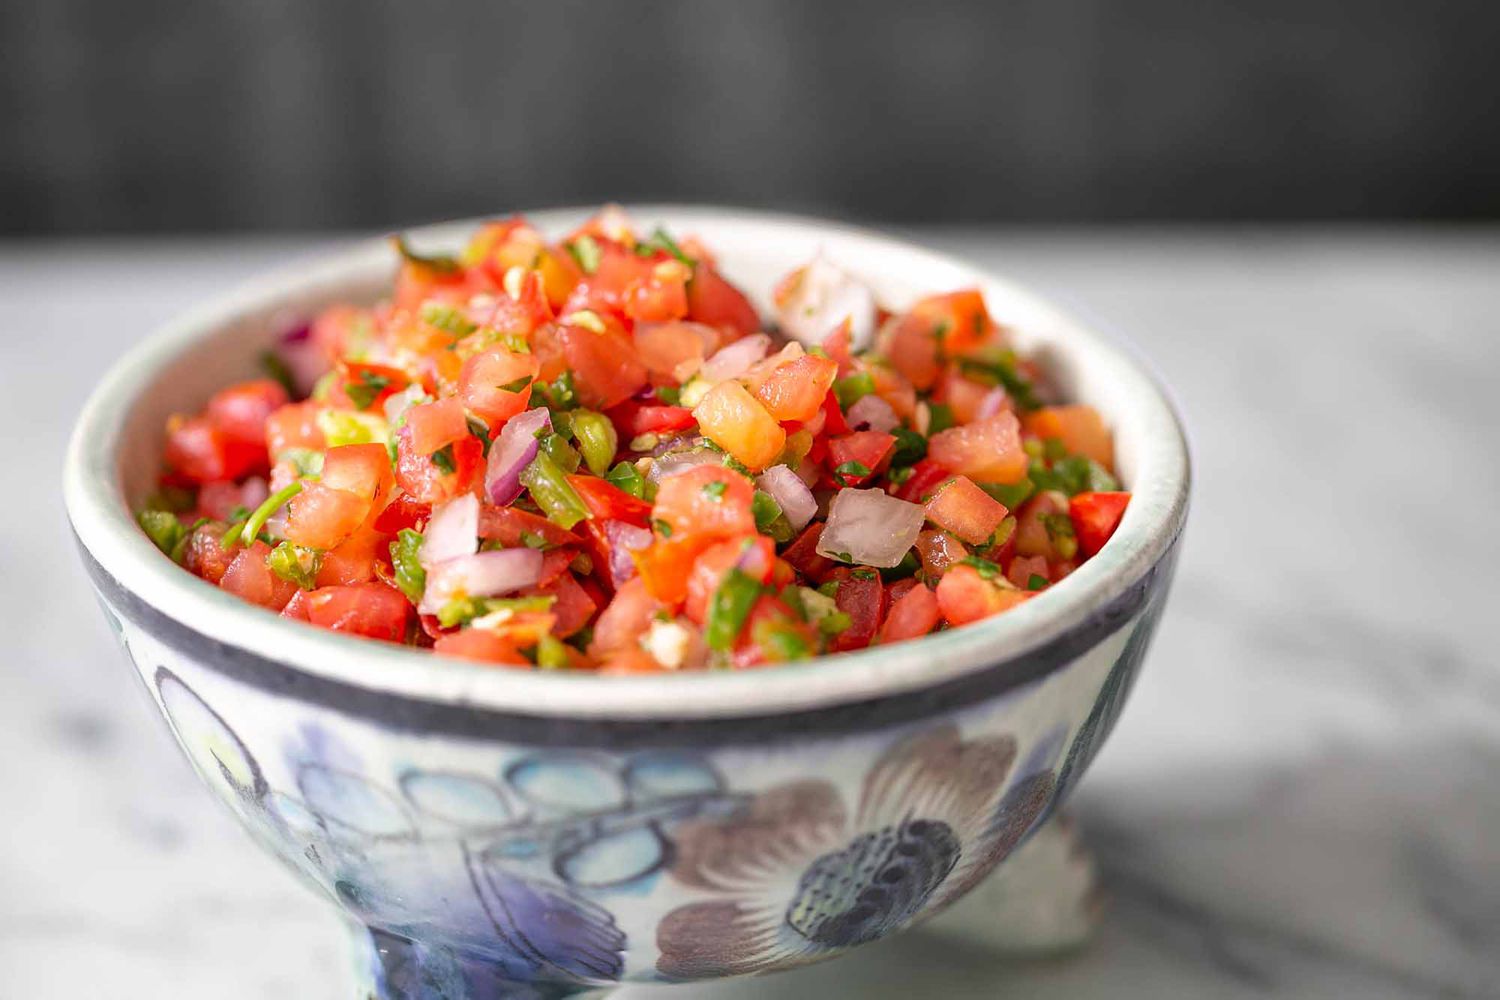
(926, 477)
(513, 527)
(1022, 568)
(1032, 537)
(964, 596)
(716, 302)
(965, 510)
(373, 610)
(1095, 518)
(480, 645)
(204, 556)
(795, 389)
(430, 426)
(402, 512)
(624, 619)
(361, 469)
(574, 605)
(803, 556)
(353, 560)
(241, 410)
(606, 501)
(666, 565)
(915, 613)
(293, 426)
(938, 551)
(661, 296)
(1081, 430)
(200, 452)
(694, 503)
(862, 597)
(249, 578)
(987, 451)
(671, 352)
(481, 380)
(963, 316)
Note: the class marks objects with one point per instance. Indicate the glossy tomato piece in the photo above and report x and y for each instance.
(354, 559)
(802, 554)
(607, 501)
(862, 597)
(606, 371)
(987, 451)
(481, 645)
(707, 500)
(1081, 430)
(362, 385)
(361, 469)
(513, 527)
(965, 510)
(249, 577)
(573, 607)
(293, 426)
(430, 426)
(495, 384)
(672, 352)
(735, 421)
(241, 411)
(1036, 527)
(624, 619)
(871, 449)
(961, 317)
(714, 301)
(666, 564)
(320, 517)
(753, 555)
(368, 609)
(199, 452)
(402, 512)
(660, 296)
(915, 613)
(431, 482)
(909, 342)
(204, 556)
(633, 418)
(1095, 518)
(795, 389)
(965, 596)
(939, 550)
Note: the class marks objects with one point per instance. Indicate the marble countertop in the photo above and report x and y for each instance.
(1302, 799)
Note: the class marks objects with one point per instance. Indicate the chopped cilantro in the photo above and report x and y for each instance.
(517, 385)
(479, 429)
(1036, 582)
(662, 527)
(443, 459)
(661, 241)
(986, 569)
(715, 490)
(365, 388)
(849, 473)
(911, 447)
(448, 319)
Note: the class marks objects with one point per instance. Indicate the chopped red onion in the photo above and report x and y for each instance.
(993, 402)
(790, 493)
(482, 574)
(511, 452)
(870, 527)
(452, 532)
(734, 360)
(624, 538)
(303, 357)
(874, 413)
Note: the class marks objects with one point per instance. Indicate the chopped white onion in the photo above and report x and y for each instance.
(511, 452)
(482, 574)
(735, 359)
(993, 402)
(452, 532)
(680, 461)
(790, 493)
(872, 413)
(870, 528)
(824, 296)
(398, 403)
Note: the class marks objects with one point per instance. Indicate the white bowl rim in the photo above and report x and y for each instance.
(107, 530)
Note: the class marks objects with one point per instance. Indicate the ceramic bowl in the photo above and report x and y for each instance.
(489, 832)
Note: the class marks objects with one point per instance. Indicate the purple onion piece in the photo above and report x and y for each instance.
(873, 413)
(735, 359)
(624, 539)
(512, 451)
(453, 531)
(790, 493)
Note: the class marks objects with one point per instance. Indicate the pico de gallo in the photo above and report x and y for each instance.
(596, 454)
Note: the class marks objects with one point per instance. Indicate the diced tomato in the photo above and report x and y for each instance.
(872, 449)
(606, 371)
(241, 410)
(795, 390)
(926, 477)
(660, 296)
(1095, 518)
(672, 352)
(1081, 430)
(402, 512)
(607, 501)
(735, 421)
(1033, 535)
(353, 560)
(513, 527)
(430, 426)
(481, 645)
(961, 316)
(488, 384)
(633, 418)
(417, 282)
(364, 386)
(837, 346)
(250, 578)
(987, 451)
(361, 469)
(204, 556)
(296, 608)
(834, 423)
(707, 500)
(425, 479)
(910, 343)
(963, 396)
(753, 554)
(666, 564)
(803, 556)
(769, 615)
(862, 597)
(716, 302)
(200, 452)
(339, 330)
(219, 499)
(321, 517)
(1023, 568)
(293, 426)
(625, 619)
(369, 609)
(965, 596)
(914, 614)
(574, 605)
(939, 550)
(965, 510)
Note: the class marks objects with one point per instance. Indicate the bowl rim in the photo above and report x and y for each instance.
(127, 560)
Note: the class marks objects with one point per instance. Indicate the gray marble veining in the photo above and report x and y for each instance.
(1301, 799)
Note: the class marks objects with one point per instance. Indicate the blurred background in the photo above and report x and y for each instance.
(167, 116)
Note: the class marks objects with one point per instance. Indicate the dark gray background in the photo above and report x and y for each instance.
(171, 115)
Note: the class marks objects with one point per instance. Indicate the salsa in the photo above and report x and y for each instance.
(595, 454)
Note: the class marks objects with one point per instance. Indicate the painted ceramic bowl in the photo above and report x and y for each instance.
(488, 832)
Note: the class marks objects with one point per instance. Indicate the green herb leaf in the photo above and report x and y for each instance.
(661, 241)
(911, 447)
(715, 490)
(443, 459)
(517, 385)
(448, 319)
(987, 569)
(365, 387)
(662, 527)
(1036, 582)
(850, 473)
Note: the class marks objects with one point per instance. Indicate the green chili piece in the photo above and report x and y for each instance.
(597, 439)
(731, 605)
(549, 487)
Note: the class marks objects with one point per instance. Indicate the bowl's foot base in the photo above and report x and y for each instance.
(1043, 899)
(392, 967)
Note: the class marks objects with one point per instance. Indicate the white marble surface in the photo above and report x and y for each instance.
(1302, 799)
